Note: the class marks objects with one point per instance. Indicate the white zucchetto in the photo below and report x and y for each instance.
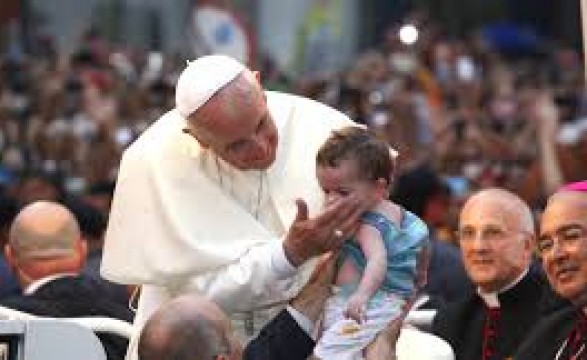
(201, 79)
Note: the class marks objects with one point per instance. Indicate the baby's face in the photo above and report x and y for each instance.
(343, 180)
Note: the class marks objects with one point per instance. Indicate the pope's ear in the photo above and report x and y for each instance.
(191, 132)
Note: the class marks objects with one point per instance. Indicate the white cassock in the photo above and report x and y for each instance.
(182, 221)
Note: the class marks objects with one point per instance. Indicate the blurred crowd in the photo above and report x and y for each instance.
(464, 113)
(468, 114)
(471, 112)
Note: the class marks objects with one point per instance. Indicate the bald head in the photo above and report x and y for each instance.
(44, 241)
(512, 208)
(43, 230)
(576, 198)
(189, 327)
(495, 236)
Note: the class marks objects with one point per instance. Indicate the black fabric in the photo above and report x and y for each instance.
(74, 297)
(447, 278)
(461, 324)
(548, 336)
(91, 270)
(282, 338)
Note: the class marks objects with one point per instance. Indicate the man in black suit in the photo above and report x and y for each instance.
(496, 232)
(192, 327)
(46, 253)
(562, 245)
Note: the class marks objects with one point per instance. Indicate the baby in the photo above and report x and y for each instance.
(379, 268)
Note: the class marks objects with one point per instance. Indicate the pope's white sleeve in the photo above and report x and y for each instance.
(260, 277)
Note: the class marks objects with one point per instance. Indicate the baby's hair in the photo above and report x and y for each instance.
(372, 155)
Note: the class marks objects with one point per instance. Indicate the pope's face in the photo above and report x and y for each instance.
(562, 245)
(240, 128)
(251, 144)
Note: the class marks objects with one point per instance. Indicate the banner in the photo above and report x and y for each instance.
(216, 29)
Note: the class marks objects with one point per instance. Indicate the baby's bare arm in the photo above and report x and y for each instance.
(373, 247)
(374, 250)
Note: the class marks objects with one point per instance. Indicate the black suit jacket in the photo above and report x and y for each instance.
(447, 279)
(548, 336)
(461, 324)
(281, 339)
(72, 296)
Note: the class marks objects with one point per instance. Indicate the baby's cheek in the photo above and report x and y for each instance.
(330, 199)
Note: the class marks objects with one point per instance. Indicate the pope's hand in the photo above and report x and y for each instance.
(309, 237)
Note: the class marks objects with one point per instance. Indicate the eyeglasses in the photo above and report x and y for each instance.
(565, 237)
(489, 233)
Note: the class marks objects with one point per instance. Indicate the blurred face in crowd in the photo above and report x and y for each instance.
(237, 126)
(562, 244)
(37, 188)
(495, 234)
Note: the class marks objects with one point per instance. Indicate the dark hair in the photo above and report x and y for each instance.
(91, 221)
(416, 187)
(355, 143)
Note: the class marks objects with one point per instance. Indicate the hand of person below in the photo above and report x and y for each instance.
(356, 307)
(309, 237)
(310, 301)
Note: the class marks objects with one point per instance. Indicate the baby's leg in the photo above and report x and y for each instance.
(384, 344)
(391, 311)
(337, 341)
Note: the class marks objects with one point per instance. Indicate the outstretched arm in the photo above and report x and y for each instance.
(265, 273)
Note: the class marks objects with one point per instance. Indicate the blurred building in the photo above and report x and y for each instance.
(286, 30)
(300, 35)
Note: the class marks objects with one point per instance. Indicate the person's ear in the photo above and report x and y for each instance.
(200, 139)
(82, 251)
(529, 241)
(10, 258)
(257, 76)
(382, 187)
(13, 263)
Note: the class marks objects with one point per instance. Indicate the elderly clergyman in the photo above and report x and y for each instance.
(562, 246)
(219, 197)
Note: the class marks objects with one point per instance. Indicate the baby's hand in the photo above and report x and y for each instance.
(356, 307)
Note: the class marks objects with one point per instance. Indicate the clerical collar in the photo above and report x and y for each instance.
(491, 299)
(573, 347)
(37, 284)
